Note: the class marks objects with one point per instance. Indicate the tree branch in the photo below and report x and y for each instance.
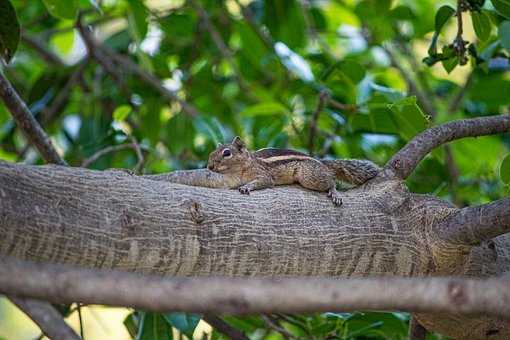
(27, 123)
(416, 331)
(472, 225)
(64, 284)
(461, 93)
(115, 148)
(223, 327)
(323, 99)
(406, 160)
(43, 51)
(46, 317)
(107, 56)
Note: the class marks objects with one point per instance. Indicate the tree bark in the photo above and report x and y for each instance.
(114, 220)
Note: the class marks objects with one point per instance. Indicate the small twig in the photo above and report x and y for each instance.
(139, 165)
(223, 327)
(50, 113)
(250, 19)
(98, 54)
(459, 44)
(270, 323)
(417, 67)
(43, 51)
(423, 100)
(226, 53)
(342, 106)
(27, 123)
(46, 317)
(115, 148)
(106, 56)
(80, 319)
(416, 331)
(459, 96)
(323, 99)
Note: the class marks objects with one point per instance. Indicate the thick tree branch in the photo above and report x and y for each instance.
(46, 317)
(473, 225)
(27, 123)
(406, 160)
(65, 284)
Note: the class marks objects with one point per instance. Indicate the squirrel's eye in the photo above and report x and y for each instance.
(227, 153)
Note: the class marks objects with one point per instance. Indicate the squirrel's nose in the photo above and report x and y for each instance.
(210, 166)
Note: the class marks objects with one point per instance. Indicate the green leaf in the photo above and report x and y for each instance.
(138, 19)
(408, 117)
(153, 326)
(130, 323)
(9, 30)
(121, 112)
(442, 16)
(503, 7)
(402, 12)
(504, 170)
(184, 322)
(211, 127)
(264, 109)
(353, 70)
(481, 25)
(504, 34)
(64, 9)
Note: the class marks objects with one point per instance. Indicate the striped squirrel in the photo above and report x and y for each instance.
(265, 168)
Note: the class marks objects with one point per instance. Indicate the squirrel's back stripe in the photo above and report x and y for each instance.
(287, 158)
(272, 152)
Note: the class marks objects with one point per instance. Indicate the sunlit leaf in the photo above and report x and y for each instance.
(64, 9)
(262, 109)
(504, 170)
(409, 118)
(481, 24)
(121, 112)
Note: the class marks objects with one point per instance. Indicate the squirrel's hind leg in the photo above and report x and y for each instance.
(316, 176)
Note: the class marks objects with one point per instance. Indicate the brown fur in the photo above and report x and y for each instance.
(268, 167)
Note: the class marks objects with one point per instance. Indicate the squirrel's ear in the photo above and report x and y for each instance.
(238, 143)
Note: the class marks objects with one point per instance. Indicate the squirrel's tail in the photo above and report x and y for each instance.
(353, 171)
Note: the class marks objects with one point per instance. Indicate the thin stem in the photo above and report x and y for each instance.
(27, 123)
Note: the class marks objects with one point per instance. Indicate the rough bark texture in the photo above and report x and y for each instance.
(114, 220)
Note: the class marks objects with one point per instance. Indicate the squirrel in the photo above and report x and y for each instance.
(271, 166)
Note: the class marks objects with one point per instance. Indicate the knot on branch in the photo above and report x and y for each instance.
(196, 213)
(457, 294)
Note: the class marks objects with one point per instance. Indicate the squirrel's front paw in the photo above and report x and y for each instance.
(244, 190)
(335, 197)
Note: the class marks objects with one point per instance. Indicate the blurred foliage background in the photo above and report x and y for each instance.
(154, 85)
